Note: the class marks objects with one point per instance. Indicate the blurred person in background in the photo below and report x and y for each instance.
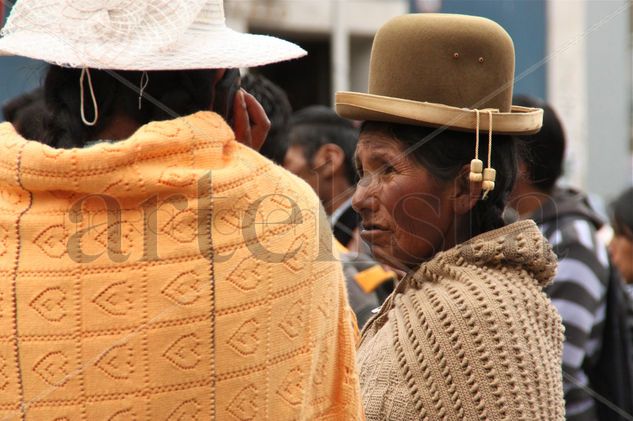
(143, 282)
(580, 287)
(278, 110)
(621, 246)
(320, 150)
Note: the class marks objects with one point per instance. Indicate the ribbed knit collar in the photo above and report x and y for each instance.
(168, 154)
(514, 247)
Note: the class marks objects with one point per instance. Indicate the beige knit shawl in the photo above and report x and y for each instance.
(469, 336)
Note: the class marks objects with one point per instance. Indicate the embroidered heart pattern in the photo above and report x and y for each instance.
(291, 388)
(116, 299)
(50, 304)
(182, 227)
(53, 368)
(245, 340)
(52, 241)
(123, 415)
(293, 321)
(184, 352)
(185, 289)
(117, 362)
(245, 276)
(244, 404)
(186, 411)
(174, 177)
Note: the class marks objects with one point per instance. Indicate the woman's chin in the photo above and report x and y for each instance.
(394, 258)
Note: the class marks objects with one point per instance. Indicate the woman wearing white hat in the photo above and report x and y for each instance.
(155, 267)
(468, 334)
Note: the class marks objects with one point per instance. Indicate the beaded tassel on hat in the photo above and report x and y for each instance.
(477, 172)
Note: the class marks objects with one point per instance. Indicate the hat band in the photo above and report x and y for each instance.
(520, 120)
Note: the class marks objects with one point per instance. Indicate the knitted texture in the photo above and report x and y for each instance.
(469, 336)
(176, 275)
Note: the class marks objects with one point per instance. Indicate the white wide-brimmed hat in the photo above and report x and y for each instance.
(136, 35)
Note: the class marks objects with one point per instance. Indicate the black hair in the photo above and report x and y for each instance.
(622, 213)
(444, 153)
(176, 93)
(316, 126)
(543, 153)
(278, 109)
(27, 113)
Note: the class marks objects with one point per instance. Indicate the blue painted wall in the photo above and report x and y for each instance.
(525, 21)
(17, 74)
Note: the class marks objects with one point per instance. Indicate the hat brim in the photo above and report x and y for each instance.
(368, 107)
(194, 50)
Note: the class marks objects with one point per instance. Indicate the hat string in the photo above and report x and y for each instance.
(476, 166)
(144, 83)
(490, 174)
(85, 71)
(477, 135)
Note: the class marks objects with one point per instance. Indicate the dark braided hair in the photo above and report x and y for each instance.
(544, 152)
(178, 93)
(446, 153)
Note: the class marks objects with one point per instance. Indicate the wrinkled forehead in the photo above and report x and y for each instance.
(378, 141)
(374, 137)
(379, 147)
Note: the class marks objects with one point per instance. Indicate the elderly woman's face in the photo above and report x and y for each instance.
(407, 215)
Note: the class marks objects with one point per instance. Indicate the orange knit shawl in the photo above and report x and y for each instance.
(173, 275)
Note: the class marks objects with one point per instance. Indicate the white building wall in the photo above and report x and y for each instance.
(567, 80)
(608, 64)
(350, 24)
(589, 84)
(360, 55)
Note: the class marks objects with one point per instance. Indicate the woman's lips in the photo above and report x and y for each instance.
(372, 232)
(372, 226)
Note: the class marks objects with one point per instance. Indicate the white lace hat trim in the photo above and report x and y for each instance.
(136, 35)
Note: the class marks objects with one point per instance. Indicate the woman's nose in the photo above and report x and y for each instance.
(364, 196)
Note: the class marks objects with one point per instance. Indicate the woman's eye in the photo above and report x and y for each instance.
(388, 169)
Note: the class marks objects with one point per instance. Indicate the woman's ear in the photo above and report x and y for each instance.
(328, 160)
(466, 193)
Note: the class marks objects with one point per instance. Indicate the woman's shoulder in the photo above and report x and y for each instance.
(495, 277)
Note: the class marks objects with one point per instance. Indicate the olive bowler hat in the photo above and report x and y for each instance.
(442, 70)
